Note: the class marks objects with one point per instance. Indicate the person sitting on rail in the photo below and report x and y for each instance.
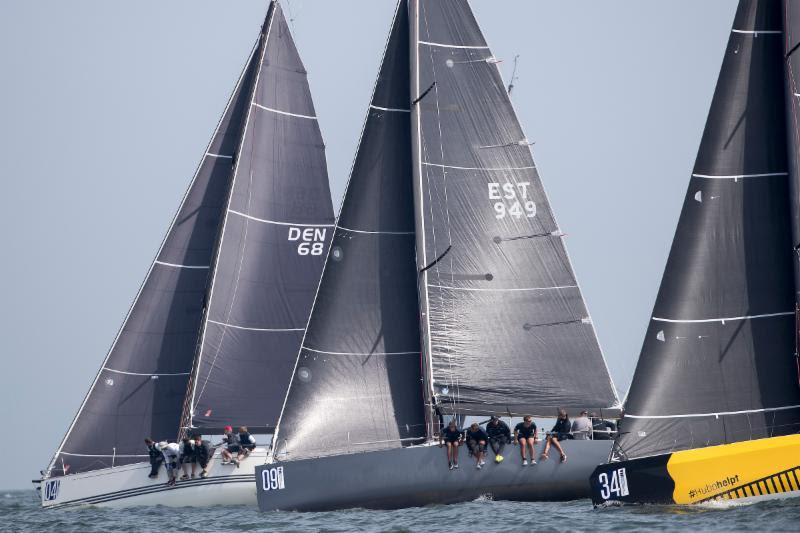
(452, 436)
(187, 458)
(171, 452)
(476, 442)
(232, 447)
(499, 435)
(202, 454)
(247, 443)
(602, 429)
(525, 435)
(156, 457)
(559, 432)
(582, 427)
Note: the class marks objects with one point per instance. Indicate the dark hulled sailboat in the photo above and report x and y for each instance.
(447, 291)
(714, 408)
(211, 338)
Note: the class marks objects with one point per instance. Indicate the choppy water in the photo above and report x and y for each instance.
(20, 511)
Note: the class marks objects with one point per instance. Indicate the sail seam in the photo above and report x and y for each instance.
(730, 319)
(727, 413)
(741, 176)
(497, 169)
(190, 267)
(521, 289)
(376, 232)
(225, 324)
(144, 374)
(278, 111)
(393, 109)
(265, 221)
(359, 353)
(94, 455)
(221, 156)
(461, 47)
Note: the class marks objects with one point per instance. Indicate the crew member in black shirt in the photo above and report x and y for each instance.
(559, 432)
(452, 436)
(525, 435)
(476, 441)
(156, 457)
(499, 434)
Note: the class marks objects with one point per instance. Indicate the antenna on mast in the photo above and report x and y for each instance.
(514, 76)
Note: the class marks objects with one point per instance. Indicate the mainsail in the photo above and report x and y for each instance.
(140, 388)
(357, 385)
(447, 288)
(506, 326)
(275, 235)
(718, 361)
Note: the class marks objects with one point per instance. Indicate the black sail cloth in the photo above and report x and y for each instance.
(141, 387)
(274, 240)
(718, 364)
(357, 385)
(507, 326)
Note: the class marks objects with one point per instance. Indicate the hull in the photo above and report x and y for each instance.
(417, 476)
(129, 486)
(743, 472)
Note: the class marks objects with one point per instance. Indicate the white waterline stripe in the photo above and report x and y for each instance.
(377, 232)
(278, 111)
(505, 290)
(787, 408)
(394, 109)
(265, 221)
(757, 32)
(442, 45)
(251, 329)
(353, 353)
(141, 374)
(191, 267)
(731, 319)
(209, 154)
(741, 176)
(500, 169)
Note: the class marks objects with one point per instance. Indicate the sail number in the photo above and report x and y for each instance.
(615, 484)
(272, 479)
(310, 241)
(511, 199)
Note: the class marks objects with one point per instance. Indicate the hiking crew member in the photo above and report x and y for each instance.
(247, 443)
(233, 447)
(602, 429)
(187, 457)
(525, 435)
(559, 432)
(171, 452)
(476, 442)
(452, 436)
(582, 427)
(202, 454)
(156, 458)
(499, 434)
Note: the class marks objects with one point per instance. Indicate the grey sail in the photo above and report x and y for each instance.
(140, 389)
(791, 40)
(504, 320)
(275, 235)
(718, 361)
(357, 386)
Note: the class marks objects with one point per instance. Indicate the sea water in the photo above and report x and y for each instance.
(20, 511)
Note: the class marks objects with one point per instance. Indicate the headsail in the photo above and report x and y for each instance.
(140, 389)
(357, 385)
(718, 363)
(274, 239)
(505, 323)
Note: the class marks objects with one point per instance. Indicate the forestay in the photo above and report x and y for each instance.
(274, 239)
(718, 362)
(506, 326)
(357, 385)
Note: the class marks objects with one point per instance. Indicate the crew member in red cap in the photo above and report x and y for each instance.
(233, 447)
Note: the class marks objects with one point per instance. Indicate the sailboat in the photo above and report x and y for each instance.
(211, 338)
(447, 292)
(713, 413)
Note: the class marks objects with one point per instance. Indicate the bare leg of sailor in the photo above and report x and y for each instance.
(532, 444)
(558, 447)
(523, 445)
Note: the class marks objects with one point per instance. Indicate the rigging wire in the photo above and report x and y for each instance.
(514, 76)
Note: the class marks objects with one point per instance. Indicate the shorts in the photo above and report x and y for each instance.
(519, 437)
(235, 448)
(250, 447)
(188, 459)
(451, 441)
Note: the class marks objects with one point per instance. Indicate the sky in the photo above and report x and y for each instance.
(106, 107)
